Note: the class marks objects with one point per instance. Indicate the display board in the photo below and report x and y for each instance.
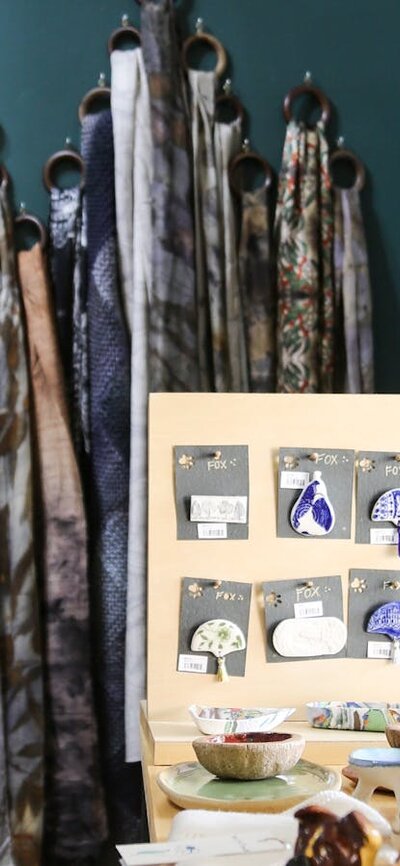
(264, 423)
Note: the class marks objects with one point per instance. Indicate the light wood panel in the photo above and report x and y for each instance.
(265, 423)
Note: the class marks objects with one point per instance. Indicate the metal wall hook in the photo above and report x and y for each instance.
(125, 20)
(199, 26)
(227, 87)
(340, 141)
(22, 208)
(307, 77)
(246, 145)
(101, 81)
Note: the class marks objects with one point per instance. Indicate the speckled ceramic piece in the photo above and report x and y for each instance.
(230, 720)
(352, 715)
(307, 638)
(190, 786)
(219, 637)
(313, 513)
(249, 756)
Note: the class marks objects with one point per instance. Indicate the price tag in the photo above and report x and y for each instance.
(379, 649)
(305, 609)
(192, 664)
(383, 536)
(212, 530)
(294, 480)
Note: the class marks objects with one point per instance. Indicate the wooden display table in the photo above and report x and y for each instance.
(160, 811)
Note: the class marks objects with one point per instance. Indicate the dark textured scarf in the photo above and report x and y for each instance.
(258, 297)
(68, 271)
(21, 693)
(304, 236)
(74, 815)
(353, 294)
(173, 330)
(109, 367)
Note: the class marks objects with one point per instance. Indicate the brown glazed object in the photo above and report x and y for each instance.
(327, 840)
(249, 756)
(393, 735)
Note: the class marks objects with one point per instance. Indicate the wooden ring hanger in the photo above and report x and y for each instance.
(96, 93)
(120, 32)
(67, 154)
(229, 98)
(248, 155)
(307, 87)
(33, 220)
(212, 42)
(343, 153)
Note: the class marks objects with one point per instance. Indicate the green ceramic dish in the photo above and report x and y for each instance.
(190, 786)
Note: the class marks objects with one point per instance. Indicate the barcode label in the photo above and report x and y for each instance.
(383, 536)
(294, 480)
(305, 609)
(212, 530)
(379, 649)
(192, 664)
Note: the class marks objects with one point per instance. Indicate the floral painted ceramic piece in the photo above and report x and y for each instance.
(190, 786)
(313, 513)
(230, 720)
(387, 508)
(352, 715)
(386, 620)
(219, 637)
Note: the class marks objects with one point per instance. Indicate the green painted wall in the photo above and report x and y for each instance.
(51, 52)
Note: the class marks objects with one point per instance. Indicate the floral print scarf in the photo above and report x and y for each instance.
(304, 240)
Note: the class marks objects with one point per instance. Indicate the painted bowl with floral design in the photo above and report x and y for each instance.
(241, 720)
(255, 755)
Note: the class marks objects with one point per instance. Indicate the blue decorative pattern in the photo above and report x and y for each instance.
(386, 620)
(313, 513)
(387, 507)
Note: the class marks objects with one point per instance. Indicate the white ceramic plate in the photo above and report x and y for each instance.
(240, 720)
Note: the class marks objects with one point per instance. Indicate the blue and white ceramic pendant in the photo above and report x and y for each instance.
(387, 508)
(386, 620)
(313, 513)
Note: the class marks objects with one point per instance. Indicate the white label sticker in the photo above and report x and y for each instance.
(294, 480)
(192, 664)
(383, 536)
(379, 649)
(305, 609)
(212, 530)
(218, 509)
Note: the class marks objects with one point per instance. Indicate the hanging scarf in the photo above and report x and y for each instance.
(68, 271)
(74, 815)
(257, 290)
(353, 293)
(21, 694)
(304, 234)
(109, 365)
(227, 141)
(211, 300)
(136, 178)
(173, 347)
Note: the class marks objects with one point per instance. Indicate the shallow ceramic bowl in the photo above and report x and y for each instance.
(249, 756)
(352, 715)
(230, 720)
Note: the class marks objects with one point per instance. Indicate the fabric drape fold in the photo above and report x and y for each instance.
(67, 248)
(109, 374)
(227, 142)
(353, 294)
(21, 681)
(137, 176)
(173, 345)
(75, 824)
(257, 289)
(304, 239)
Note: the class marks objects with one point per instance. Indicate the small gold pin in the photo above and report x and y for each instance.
(217, 455)
(314, 456)
(391, 584)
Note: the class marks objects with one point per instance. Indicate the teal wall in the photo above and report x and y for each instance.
(51, 52)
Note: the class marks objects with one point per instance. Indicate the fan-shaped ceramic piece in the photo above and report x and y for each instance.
(387, 508)
(219, 637)
(386, 620)
(313, 513)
